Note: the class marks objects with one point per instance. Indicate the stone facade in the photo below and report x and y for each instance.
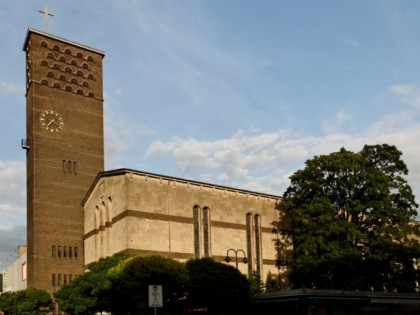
(138, 212)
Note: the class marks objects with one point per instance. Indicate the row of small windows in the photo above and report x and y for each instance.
(64, 78)
(67, 51)
(68, 88)
(63, 59)
(58, 251)
(60, 279)
(78, 73)
(69, 166)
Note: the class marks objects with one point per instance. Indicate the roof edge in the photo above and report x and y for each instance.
(122, 171)
(61, 39)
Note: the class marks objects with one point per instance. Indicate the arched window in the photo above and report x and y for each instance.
(73, 62)
(67, 51)
(91, 94)
(68, 70)
(90, 58)
(44, 44)
(74, 81)
(69, 88)
(50, 55)
(44, 63)
(50, 74)
(56, 66)
(74, 167)
(79, 55)
(63, 59)
(85, 65)
(56, 48)
(57, 85)
(79, 73)
(63, 78)
(91, 76)
(85, 84)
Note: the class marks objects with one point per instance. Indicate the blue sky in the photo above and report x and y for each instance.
(238, 93)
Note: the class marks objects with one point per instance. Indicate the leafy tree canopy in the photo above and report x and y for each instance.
(216, 286)
(26, 302)
(352, 221)
(129, 282)
(87, 293)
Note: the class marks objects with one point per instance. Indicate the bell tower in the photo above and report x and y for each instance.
(64, 152)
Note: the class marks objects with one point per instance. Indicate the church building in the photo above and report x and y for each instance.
(78, 213)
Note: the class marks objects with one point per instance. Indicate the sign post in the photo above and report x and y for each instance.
(155, 296)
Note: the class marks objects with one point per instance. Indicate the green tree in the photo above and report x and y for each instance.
(26, 302)
(352, 221)
(88, 293)
(129, 282)
(216, 286)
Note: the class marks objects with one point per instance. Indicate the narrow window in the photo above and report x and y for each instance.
(74, 167)
(249, 241)
(70, 278)
(53, 251)
(258, 251)
(75, 252)
(58, 251)
(70, 252)
(64, 251)
(69, 167)
(196, 223)
(206, 231)
(65, 279)
(59, 279)
(53, 280)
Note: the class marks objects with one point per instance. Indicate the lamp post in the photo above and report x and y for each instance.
(245, 260)
(228, 259)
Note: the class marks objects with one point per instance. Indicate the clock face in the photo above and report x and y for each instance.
(52, 121)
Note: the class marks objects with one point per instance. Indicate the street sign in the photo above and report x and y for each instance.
(155, 296)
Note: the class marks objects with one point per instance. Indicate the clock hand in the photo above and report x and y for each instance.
(55, 123)
(51, 121)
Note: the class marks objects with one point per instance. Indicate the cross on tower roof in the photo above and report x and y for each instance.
(46, 13)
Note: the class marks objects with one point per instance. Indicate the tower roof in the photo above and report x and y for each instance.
(63, 40)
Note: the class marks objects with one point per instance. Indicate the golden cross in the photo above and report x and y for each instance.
(46, 14)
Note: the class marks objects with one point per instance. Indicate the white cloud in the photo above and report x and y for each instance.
(11, 88)
(264, 161)
(409, 94)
